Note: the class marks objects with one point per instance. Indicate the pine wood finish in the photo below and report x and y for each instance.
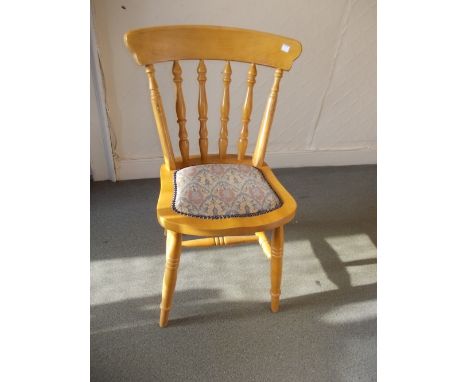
(267, 120)
(225, 105)
(202, 110)
(264, 243)
(216, 241)
(276, 265)
(176, 43)
(246, 112)
(173, 246)
(219, 240)
(180, 110)
(192, 42)
(160, 118)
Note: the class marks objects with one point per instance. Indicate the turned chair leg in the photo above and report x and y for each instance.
(276, 263)
(173, 248)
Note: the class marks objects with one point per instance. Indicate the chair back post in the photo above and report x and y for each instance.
(267, 120)
(160, 117)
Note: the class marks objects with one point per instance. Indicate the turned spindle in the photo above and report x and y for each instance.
(180, 110)
(246, 112)
(223, 133)
(202, 111)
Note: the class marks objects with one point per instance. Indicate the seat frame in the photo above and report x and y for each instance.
(174, 43)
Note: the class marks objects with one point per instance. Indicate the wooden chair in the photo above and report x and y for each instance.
(222, 219)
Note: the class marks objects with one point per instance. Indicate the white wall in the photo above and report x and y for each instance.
(102, 165)
(327, 104)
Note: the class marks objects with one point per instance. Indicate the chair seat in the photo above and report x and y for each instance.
(220, 199)
(218, 191)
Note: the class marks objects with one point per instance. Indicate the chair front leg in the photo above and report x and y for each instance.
(173, 249)
(276, 264)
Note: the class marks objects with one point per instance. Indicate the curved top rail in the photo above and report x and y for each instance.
(193, 42)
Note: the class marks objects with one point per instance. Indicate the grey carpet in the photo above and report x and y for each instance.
(221, 328)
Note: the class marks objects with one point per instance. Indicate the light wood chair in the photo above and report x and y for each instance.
(176, 43)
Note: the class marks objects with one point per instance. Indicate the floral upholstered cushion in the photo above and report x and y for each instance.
(215, 191)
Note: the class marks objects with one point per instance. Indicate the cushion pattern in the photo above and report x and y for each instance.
(216, 191)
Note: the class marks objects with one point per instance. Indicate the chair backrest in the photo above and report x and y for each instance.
(188, 42)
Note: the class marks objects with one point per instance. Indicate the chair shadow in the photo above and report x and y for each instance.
(334, 267)
(200, 305)
(221, 311)
(132, 324)
(141, 311)
(127, 344)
